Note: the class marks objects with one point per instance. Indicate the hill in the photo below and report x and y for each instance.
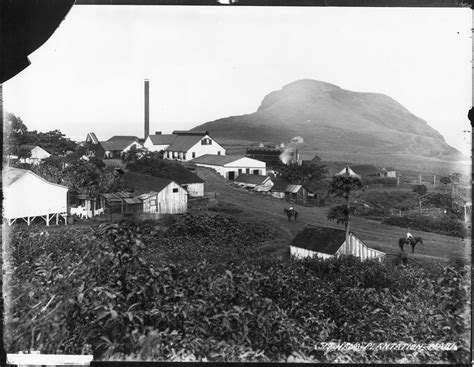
(337, 124)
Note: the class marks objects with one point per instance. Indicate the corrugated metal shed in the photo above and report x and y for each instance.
(133, 200)
(293, 189)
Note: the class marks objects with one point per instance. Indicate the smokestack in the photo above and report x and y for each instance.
(147, 108)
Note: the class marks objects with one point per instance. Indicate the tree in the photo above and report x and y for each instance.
(299, 174)
(420, 191)
(23, 152)
(54, 142)
(132, 155)
(342, 186)
(445, 180)
(15, 133)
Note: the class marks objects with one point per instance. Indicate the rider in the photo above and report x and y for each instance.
(291, 208)
(409, 237)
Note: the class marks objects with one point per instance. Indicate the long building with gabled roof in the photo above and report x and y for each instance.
(183, 145)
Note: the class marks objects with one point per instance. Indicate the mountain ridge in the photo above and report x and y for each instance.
(326, 115)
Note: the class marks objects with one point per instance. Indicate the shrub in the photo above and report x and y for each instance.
(445, 225)
(187, 291)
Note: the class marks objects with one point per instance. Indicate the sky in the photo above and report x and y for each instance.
(206, 63)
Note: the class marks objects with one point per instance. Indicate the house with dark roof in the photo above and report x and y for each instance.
(230, 166)
(183, 145)
(279, 187)
(325, 243)
(256, 182)
(117, 145)
(388, 172)
(28, 196)
(157, 194)
(366, 170)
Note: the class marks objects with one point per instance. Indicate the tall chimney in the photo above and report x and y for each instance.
(147, 108)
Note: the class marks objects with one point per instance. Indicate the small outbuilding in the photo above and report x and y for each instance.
(37, 154)
(163, 195)
(325, 243)
(279, 186)
(28, 196)
(388, 172)
(297, 194)
(254, 182)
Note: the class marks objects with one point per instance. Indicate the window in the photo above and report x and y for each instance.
(194, 155)
(175, 190)
(206, 141)
(240, 171)
(256, 172)
(247, 170)
(219, 152)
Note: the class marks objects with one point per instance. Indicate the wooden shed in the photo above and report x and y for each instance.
(297, 194)
(326, 243)
(170, 197)
(28, 196)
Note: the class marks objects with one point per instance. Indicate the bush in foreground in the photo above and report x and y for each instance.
(113, 290)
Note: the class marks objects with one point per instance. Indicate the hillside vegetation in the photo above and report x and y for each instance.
(196, 288)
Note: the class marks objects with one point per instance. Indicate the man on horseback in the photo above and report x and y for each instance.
(410, 237)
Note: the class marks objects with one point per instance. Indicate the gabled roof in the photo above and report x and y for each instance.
(320, 239)
(280, 184)
(116, 144)
(217, 160)
(179, 141)
(124, 137)
(190, 132)
(93, 138)
(293, 189)
(138, 182)
(251, 179)
(365, 170)
(348, 172)
(161, 139)
(182, 143)
(11, 174)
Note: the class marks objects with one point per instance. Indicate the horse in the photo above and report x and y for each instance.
(290, 213)
(412, 241)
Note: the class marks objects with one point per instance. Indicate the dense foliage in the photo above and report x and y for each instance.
(445, 225)
(17, 134)
(200, 288)
(309, 174)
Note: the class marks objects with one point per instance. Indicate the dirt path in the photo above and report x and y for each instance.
(379, 236)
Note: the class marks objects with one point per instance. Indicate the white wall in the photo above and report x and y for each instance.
(359, 249)
(301, 253)
(170, 202)
(195, 189)
(136, 144)
(33, 196)
(154, 148)
(214, 148)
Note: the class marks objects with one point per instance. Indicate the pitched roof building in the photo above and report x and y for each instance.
(326, 243)
(256, 182)
(184, 145)
(230, 166)
(28, 196)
